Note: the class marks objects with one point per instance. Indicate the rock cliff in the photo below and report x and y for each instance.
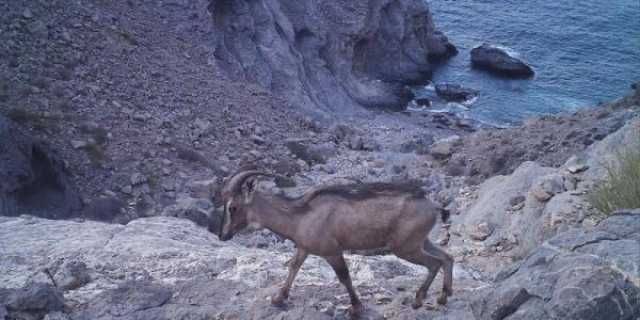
(329, 56)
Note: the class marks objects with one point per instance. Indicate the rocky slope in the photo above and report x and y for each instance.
(545, 255)
(142, 109)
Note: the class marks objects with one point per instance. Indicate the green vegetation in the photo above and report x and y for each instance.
(621, 187)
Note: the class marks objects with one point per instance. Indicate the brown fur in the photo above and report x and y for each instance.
(343, 217)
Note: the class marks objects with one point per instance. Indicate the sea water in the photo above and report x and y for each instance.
(583, 52)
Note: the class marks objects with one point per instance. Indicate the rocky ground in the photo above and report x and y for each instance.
(126, 112)
(547, 257)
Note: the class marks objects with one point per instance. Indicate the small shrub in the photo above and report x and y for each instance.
(621, 187)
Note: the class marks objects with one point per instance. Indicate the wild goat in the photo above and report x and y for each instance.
(326, 221)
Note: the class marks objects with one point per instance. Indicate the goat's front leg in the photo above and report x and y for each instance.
(294, 265)
(342, 271)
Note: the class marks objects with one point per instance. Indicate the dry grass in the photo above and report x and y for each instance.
(621, 187)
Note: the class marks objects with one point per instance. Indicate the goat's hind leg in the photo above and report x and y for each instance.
(294, 265)
(447, 266)
(432, 263)
(342, 271)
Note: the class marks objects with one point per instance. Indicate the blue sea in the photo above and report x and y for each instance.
(583, 52)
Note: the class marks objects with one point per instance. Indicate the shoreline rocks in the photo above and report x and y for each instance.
(455, 92)
(499, 61)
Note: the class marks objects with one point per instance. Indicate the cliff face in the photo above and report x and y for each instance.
(332, 56)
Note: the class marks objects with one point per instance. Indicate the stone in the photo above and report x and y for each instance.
(541, 195)
(71, 275)
(311, 154)
(33, 301)
(562, 212)
(197, 210)
(549, 186)
(577, 168)
(79, 144)
(513, 201)
(481, 232)
(356, 143)
(27, 14)
(377, 163)
(441, 150)
(455, 92)
(341, 132)
(138, 179)
(142, 116)
(128, 298)
(168, 186)
(284, 182)
(419, 145)
(106, 209)
(56, 315)
(127, 189)
(499, 61)
(257, 139)
(424, 102)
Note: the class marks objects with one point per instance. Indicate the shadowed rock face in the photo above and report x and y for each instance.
(329, 56)
(33, 179)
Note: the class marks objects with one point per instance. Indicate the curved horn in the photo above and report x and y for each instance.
(235, 182)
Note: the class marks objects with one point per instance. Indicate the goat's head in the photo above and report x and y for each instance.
(237, 194)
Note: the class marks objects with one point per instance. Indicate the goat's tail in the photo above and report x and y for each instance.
(444, 215)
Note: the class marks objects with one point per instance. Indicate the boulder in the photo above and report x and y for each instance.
(33, 301)
(499, 61)
(108, 209)
(424, 102)
(440, 47)
(586, 275)
(198, 210)
(33, 177)
(455, 92)
(69, 275)
(444, 148)
(418, 145)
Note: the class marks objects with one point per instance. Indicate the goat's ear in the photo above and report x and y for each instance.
(248, 189)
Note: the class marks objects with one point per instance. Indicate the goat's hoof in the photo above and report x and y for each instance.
(417, 304)
(356, 310)
(278, 301)
(442, 298)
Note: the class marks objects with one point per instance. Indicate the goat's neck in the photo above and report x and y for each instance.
(271, 213)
